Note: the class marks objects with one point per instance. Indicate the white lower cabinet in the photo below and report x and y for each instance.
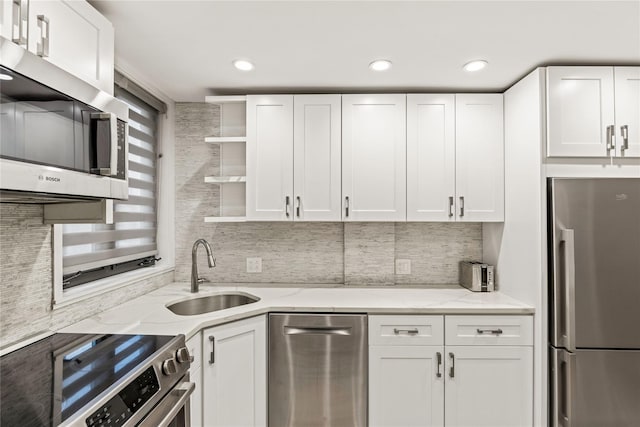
(406, 386)
(194, 344)
(451, 385)
(489, 386)
(234, 374)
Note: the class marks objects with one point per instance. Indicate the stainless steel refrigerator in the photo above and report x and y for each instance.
(594, 277)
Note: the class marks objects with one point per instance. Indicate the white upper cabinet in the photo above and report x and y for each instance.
(293, 158)
(317, 158)
(479, 157)
(431, 150)
(580, 114)
(627, 94)
(9, 29)
(68, 33)
(374, 157)
(269, 157)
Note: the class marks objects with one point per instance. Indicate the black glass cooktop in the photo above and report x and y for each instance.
(45, 383)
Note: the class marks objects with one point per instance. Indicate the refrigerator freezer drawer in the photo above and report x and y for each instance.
(594, 388)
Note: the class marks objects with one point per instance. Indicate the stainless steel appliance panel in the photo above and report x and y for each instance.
(595, 388)
(595, 262)
(317, 370)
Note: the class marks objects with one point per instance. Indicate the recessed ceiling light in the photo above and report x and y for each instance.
(243, 65)
(5, 77)
(380, 65)
(476, 65)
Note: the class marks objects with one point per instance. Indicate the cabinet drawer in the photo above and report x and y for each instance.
(194, 344)
(406, 330)
(488, 330)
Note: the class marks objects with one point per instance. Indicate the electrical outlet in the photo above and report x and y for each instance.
(403, 266)
(254, 265)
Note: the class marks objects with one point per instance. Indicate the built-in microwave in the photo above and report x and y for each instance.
(55, 147)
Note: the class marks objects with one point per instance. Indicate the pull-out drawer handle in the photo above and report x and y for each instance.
(413, 331)
(489, 331)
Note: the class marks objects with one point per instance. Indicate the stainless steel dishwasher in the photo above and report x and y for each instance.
(317, 370)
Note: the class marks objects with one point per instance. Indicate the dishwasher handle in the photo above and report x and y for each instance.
(317, 330)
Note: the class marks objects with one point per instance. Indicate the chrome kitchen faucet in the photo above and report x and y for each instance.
(195, 280)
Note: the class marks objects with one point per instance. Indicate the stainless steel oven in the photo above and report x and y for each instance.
(95, 380)
(54, 145)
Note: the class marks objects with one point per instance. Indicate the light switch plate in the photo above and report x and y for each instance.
(254, 265)
(403, 266)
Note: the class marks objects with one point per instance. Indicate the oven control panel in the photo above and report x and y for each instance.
(131, 398)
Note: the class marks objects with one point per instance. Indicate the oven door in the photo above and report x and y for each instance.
(174, 409)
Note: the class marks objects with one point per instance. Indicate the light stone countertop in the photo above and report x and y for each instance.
(148, 314)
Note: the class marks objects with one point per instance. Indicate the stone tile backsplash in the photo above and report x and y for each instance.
(351, 253)
(26, 286)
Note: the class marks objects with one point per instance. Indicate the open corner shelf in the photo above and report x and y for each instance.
(224, 139)
(232, 142)
(225, 219)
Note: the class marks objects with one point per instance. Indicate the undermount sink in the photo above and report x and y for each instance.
(211, 303)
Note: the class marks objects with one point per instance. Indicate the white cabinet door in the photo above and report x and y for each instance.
(374, 157)
(580, 111)
(194, 344)
(406, 386)
(627, 99)
(270, 157)
(317, 158)
(80, 40)
(235, 374)
(7, 28)
(195, 402)
(479, 157)
(431, 150)
(489, 386)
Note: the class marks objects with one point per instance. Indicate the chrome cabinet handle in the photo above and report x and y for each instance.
(346, 207)
(624, 133)
(20, 24)
(413, 331)
(489, 331)
(439, 364)
(461, 206)
(450, 206)
(611, 133)
(43, 44)
(298, 203)
(212, 355)
(286, 206)
(452, 372)
(567, 236)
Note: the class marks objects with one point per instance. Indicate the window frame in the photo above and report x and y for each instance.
(165, 208)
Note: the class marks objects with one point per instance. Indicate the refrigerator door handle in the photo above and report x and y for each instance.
(564, 385)
(569, 283)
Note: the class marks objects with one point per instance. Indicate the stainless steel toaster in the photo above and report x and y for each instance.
(477, 276)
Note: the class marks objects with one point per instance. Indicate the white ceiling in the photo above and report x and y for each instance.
(185, 48)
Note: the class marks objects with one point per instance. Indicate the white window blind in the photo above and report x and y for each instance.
(91, 251)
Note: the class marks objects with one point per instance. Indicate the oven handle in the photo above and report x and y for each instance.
(170, 406)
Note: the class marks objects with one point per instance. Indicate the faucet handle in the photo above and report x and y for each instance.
(203, 280)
